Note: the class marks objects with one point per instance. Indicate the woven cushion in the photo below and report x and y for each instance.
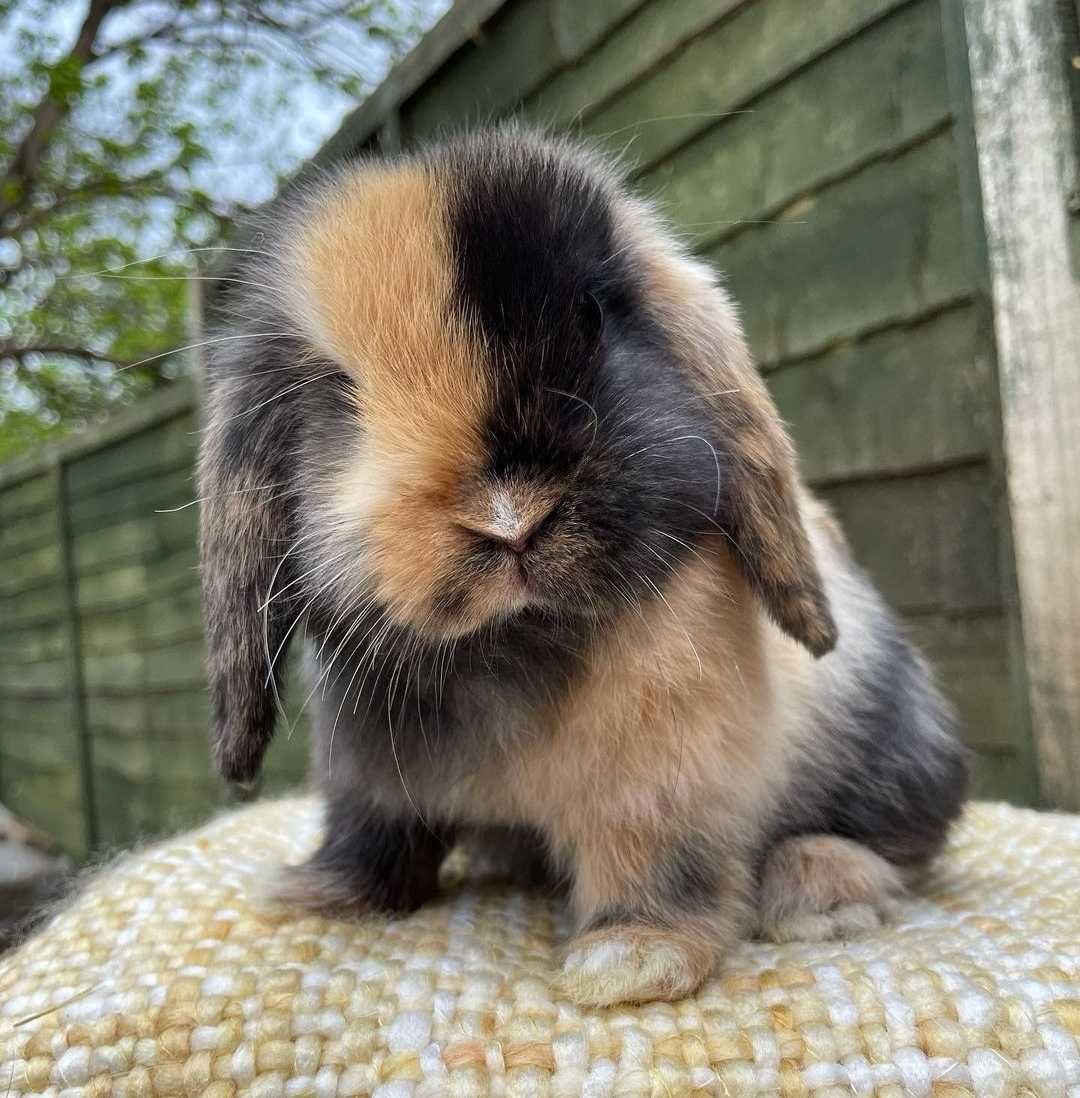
(166, 978)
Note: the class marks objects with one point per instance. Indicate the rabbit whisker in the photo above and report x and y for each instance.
(219, 495)
(195, 346)
(277, 396)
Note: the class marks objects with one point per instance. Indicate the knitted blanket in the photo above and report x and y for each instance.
(167, 978)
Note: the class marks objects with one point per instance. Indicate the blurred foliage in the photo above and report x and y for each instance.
(131, 133)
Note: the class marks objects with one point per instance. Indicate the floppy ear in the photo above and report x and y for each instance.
(763, 515)
(247, 575)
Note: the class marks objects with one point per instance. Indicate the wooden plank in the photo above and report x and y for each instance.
(644, 40)
(78, 742)
(138, 499)
(156, 408)
(166, 715)
(135, 539)
(49, 713)
(518, 51)
(134, 809)
(171, 583)
(41, 675)
(23, 694)
(521, 48)
(172, 621)
(175, 668)
(45, 642)
(172, 440)
(928, 540)
(888, 84)
(128, 584)
(32, 494)
(33, 568)
(30, 608)
(579, 27)
(25, 531)
(880, 248)
(972, 660)
(160, 448)
(176, 665)
(50, 800)
(461, 24)
(27, 744)
(164, 760)
(842, 407)
(161, 614)
(125, 474)
(726, 69)
(130, 756)
(955, 39)
(125, 718)
(994, 778)
(1027, 156)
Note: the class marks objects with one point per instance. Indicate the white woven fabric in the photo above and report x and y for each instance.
(168, 978)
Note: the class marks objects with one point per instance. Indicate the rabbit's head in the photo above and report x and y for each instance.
(483, 384)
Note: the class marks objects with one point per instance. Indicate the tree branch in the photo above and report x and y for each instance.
(143, 187)
(49, 112)
(20, 354)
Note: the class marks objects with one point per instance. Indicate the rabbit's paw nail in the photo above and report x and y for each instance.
(629, 965)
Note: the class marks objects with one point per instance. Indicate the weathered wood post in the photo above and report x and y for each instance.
(1025, 127)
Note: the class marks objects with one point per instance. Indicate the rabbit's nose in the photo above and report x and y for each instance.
(516, 543)
(510, 516)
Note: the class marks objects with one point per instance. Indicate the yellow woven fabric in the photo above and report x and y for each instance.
(165, 978)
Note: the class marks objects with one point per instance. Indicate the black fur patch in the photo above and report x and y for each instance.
(898, 776)
(688, 876)
(389, 864)
(587, 389)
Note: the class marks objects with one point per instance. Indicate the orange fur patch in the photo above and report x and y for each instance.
(374, 289)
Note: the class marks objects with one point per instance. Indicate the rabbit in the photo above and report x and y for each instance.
(478, 421)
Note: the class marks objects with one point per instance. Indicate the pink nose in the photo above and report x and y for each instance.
(516, 544)
(509, 516)
(517, 538)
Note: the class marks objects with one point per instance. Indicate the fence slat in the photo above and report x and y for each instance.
(70, 616)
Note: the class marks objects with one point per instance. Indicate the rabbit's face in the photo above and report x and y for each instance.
(517, 433)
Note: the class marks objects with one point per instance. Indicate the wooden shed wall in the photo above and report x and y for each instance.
(821, 154)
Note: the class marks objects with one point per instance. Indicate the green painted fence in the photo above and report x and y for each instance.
(103, 703)
(821, 154)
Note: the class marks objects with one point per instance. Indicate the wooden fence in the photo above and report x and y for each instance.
(103, 704)
(824, 156)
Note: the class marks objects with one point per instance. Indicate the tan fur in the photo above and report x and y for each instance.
(695, 685)
(809, 878)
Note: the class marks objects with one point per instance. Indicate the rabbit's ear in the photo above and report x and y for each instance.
(763, 516)
(249, 598)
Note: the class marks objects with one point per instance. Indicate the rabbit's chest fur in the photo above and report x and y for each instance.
(563, 731)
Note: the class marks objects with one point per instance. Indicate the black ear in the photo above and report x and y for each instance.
(246, 541)
(763, 514)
